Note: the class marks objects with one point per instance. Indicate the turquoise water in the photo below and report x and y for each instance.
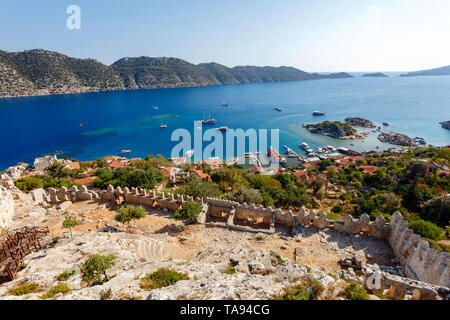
(112, 121)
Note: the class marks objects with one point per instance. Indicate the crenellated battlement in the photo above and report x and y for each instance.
(420, 261)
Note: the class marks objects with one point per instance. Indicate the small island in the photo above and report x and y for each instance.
(359, 122)
(334, 129)
(445, 124)
(375, 75)
(398, 139)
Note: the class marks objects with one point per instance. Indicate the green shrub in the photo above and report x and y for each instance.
(230, 270)
(278, 257)
(54, 241)
(426, 229)
(65, 275)
(96, 266)
(333, 216)
(189, 211)
(27, 184)
(129, 213)
(105, 294)
(293, 293)
(161, 278)
(259, 238)
(355, 292)
(69, 223)
(60, 288)
(23, 289)
(309, 289)
(337, 208)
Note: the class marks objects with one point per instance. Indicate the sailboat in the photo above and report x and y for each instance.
(208, 121)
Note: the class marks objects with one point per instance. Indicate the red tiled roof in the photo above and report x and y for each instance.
(301, 175)
(85, 181)
(368, 169)
(111, 158)
(165, 171)
(74, 165)
(200, 174)
(117, 164)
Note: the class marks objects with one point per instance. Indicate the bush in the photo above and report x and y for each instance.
(23, 289)
(278, 257)
(355, 292)
(96, 266)
(248, 196)
(189, 211)
(230, 270)
(309, 289)
(161, 278)
(333, 216)
(69, 223)
(65, 275)
(337, 208)
(60, 288)
(130, 213)
(293, 293)
(28, 184)
(426, 229)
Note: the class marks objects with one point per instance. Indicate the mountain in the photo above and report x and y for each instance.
(442, 71)
(36, 72)
(42, 72)
(374, 75)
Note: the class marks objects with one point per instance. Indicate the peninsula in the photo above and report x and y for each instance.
(442, 71)
(41, 72)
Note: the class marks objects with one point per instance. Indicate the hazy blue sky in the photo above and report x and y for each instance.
(313, 35)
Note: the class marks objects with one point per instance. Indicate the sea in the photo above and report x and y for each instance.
(91, 125)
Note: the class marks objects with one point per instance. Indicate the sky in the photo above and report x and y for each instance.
(312, 35)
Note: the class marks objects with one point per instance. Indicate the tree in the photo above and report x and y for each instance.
(130, 213)
(189, 212)
(69, 223)
(27, 184)
(100, 163)
(197, 188)
(57, 170)
(426, 229)
(248, 195)
(95, 266)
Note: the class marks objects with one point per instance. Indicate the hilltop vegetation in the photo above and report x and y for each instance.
(41, 72)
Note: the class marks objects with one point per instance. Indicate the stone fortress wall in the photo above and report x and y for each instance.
(421, 262)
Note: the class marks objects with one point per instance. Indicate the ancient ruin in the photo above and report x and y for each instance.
(422, 263)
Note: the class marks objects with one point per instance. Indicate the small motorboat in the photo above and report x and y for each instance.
(318, 113)
(124, 151)
(223, 129)
(278, 109)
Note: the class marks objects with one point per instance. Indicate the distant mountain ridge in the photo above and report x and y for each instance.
(442, 71)
(42, 72)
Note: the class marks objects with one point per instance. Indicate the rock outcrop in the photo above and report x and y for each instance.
(335, 129)
(398, 139)
(445, 124)
(360, 122)
(6, 207)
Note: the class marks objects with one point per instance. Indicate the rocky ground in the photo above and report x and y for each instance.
(202, 252)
